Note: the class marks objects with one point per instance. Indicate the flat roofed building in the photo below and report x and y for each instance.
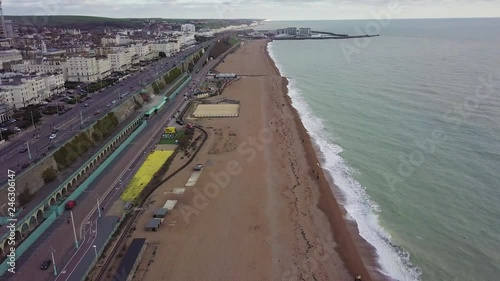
(131, 259)
(87, 68)
(9, 56)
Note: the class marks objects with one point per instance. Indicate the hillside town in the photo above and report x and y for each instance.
(41, 64)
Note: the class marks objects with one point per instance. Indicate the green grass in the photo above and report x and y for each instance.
(167, 141)
(233, 41)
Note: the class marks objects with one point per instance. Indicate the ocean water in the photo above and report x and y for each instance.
(408, 125)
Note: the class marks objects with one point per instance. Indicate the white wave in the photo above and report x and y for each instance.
(393, 259)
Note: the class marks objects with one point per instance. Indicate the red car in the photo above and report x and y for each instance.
(70, 205)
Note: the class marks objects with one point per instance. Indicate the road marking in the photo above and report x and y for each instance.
(78, 250)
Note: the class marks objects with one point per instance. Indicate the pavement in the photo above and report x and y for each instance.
(10, 157)
(106, 188)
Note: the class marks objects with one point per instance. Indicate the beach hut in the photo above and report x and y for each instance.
(154, 224)
(160, 213)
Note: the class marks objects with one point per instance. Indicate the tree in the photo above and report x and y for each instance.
(29, 112)
(49, 175)
(162, 55)
(25, 197)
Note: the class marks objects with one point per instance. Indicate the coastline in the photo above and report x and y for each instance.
(257, 212)
(358, 255)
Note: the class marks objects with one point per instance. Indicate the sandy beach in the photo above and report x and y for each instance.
(262, 208)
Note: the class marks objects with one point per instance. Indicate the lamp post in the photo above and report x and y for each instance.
(53, 261)
(29, 151)
(32, 119)
(74, 230)
(95, 251)
(98, 207)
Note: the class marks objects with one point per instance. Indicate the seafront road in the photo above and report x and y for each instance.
(59, 236)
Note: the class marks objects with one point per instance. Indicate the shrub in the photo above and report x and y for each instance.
(49, 175)
(25, 197)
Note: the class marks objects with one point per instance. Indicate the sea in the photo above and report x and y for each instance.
(408, 126)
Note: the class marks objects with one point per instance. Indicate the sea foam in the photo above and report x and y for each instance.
(394, 260)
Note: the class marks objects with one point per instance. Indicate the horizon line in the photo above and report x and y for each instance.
(246, 18)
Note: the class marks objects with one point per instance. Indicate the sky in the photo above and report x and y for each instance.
(258, 9)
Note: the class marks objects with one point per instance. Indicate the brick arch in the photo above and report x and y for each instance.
(32, 222)
(64, 191)
(52, 201)
(73, 183)
(69, 186)
(1, 252)
(5, 245)
(18, 235)
(39, 216)
(58, 197)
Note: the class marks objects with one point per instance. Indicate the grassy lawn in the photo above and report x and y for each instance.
(152, 164)
(178, 136)
(233, 41)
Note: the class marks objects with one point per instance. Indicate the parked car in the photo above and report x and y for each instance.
(25, 165)
(17, 129)
(198, 167)
(23, 149)
(97, 112)
(70, 204)
(114, 101)
(179, 122)
(86, 105)
(52, 136)
(46, 264)
(108, 105)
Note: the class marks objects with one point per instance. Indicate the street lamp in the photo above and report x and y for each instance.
(74, 230)
(53, 261)
(95, 250)
(98, 206)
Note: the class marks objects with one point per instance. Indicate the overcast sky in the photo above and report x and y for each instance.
(270, 9)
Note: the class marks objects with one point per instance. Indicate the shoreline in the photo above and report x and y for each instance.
(359, 257)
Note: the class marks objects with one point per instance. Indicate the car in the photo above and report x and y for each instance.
(55, 131)
(108, 105)
(53, 136)
(198, 167)
(86, 105)
(45, 265)
(23, 149)
(114, 101)
(97, 112)
(51, 146)
(17, 129)
(25, 165)
(179, 122)
(70, 204)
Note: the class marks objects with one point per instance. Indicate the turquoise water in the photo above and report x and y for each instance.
(408, 125)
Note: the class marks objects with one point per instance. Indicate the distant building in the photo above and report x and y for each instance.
(188, 28)
(169, 48)
(5, 112)
(87, 68)
(120, 60)
(304, 31)
(290, 31)
(43, 66)
(11, 29)
(21, 91)
(9, 56)
(145, 51)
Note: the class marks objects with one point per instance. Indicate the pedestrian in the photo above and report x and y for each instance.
(67, 221)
